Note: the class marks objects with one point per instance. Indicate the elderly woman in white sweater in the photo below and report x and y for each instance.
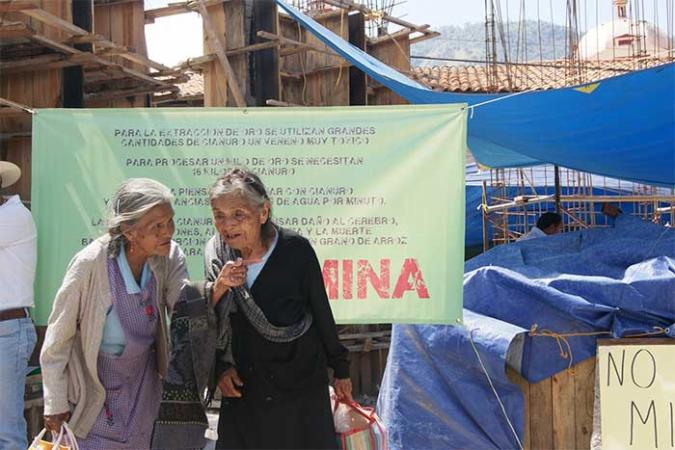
(106, 343)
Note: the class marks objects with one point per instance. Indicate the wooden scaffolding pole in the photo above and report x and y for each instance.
(219, 48)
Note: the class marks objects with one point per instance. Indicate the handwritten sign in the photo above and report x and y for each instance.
(637, 393)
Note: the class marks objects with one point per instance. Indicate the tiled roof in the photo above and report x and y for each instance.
(524, 77)
(193, 87)
(474, 78)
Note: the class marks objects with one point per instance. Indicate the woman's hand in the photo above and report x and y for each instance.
(343, 389)
(232, 274)
(53, 422)
(230, 383)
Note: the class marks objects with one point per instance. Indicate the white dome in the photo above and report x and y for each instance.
(620, 38)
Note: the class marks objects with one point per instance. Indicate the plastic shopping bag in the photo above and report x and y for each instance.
(357, 427)
(65, 440)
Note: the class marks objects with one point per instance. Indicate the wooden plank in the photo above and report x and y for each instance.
(48, 90)
(91, 58)
(152, 14)
(51, 43)
(540, 415)
(287, 41)
(527, 408)
(358, 83)
(138, 38)
(10, 112)
(101, 28)
(123, 93)
(102, 21)
(217, 44)
(60, 9)
(368, 334)
(195, 62)
(235, 12)
(124, 52)
(376, 371)
(273, 102)
(18, 152)
(132, 73)
(15, 34)
(351, 6)
(8, 6)
(73, 87)
(15, 30)
(319, 84)
(424, 37)
(563, 409)
(584, 387)
(20, 90)
(178, 8)
(215, 79)
(396, 54)
(54, 21)
(291, 91)
(355, 375)
(117, 29)
(334, 86)
(405, 33)
(366, 373)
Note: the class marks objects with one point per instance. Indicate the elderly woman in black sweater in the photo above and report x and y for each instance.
(279, 334)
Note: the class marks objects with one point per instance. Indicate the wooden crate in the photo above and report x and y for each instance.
(559, 409)
(368, 347)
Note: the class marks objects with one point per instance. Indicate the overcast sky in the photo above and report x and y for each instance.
(173, 39)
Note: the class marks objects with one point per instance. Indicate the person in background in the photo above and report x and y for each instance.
(610, 210)
(548, 224)
(18, 257)
(106, 342)
(279, 334)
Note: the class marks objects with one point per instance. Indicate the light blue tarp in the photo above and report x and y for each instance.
(622, 127)
(619, 280)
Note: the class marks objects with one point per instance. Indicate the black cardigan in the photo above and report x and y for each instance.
(289, 284)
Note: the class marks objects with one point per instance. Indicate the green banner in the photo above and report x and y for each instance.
(379, 191)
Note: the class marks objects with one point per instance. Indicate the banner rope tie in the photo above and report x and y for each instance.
(565, 347)
(498, 99)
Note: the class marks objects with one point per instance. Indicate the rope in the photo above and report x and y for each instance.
(565, 347)
(498, 99)
(494, 391)
(18, 106)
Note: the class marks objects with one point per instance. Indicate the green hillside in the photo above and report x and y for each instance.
(468, 42)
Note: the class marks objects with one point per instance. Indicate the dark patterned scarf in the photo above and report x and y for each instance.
(190, 380)
(216, 254)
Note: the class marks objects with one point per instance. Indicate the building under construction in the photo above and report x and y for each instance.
(92, 54)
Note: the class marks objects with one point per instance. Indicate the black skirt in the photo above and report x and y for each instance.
(285, 402)
(303, 421)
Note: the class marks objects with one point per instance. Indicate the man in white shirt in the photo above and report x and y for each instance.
(548, 224)
(18, 257)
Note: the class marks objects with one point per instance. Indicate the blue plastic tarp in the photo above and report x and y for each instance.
(622, 127)
(602, 282)
(434, 394)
